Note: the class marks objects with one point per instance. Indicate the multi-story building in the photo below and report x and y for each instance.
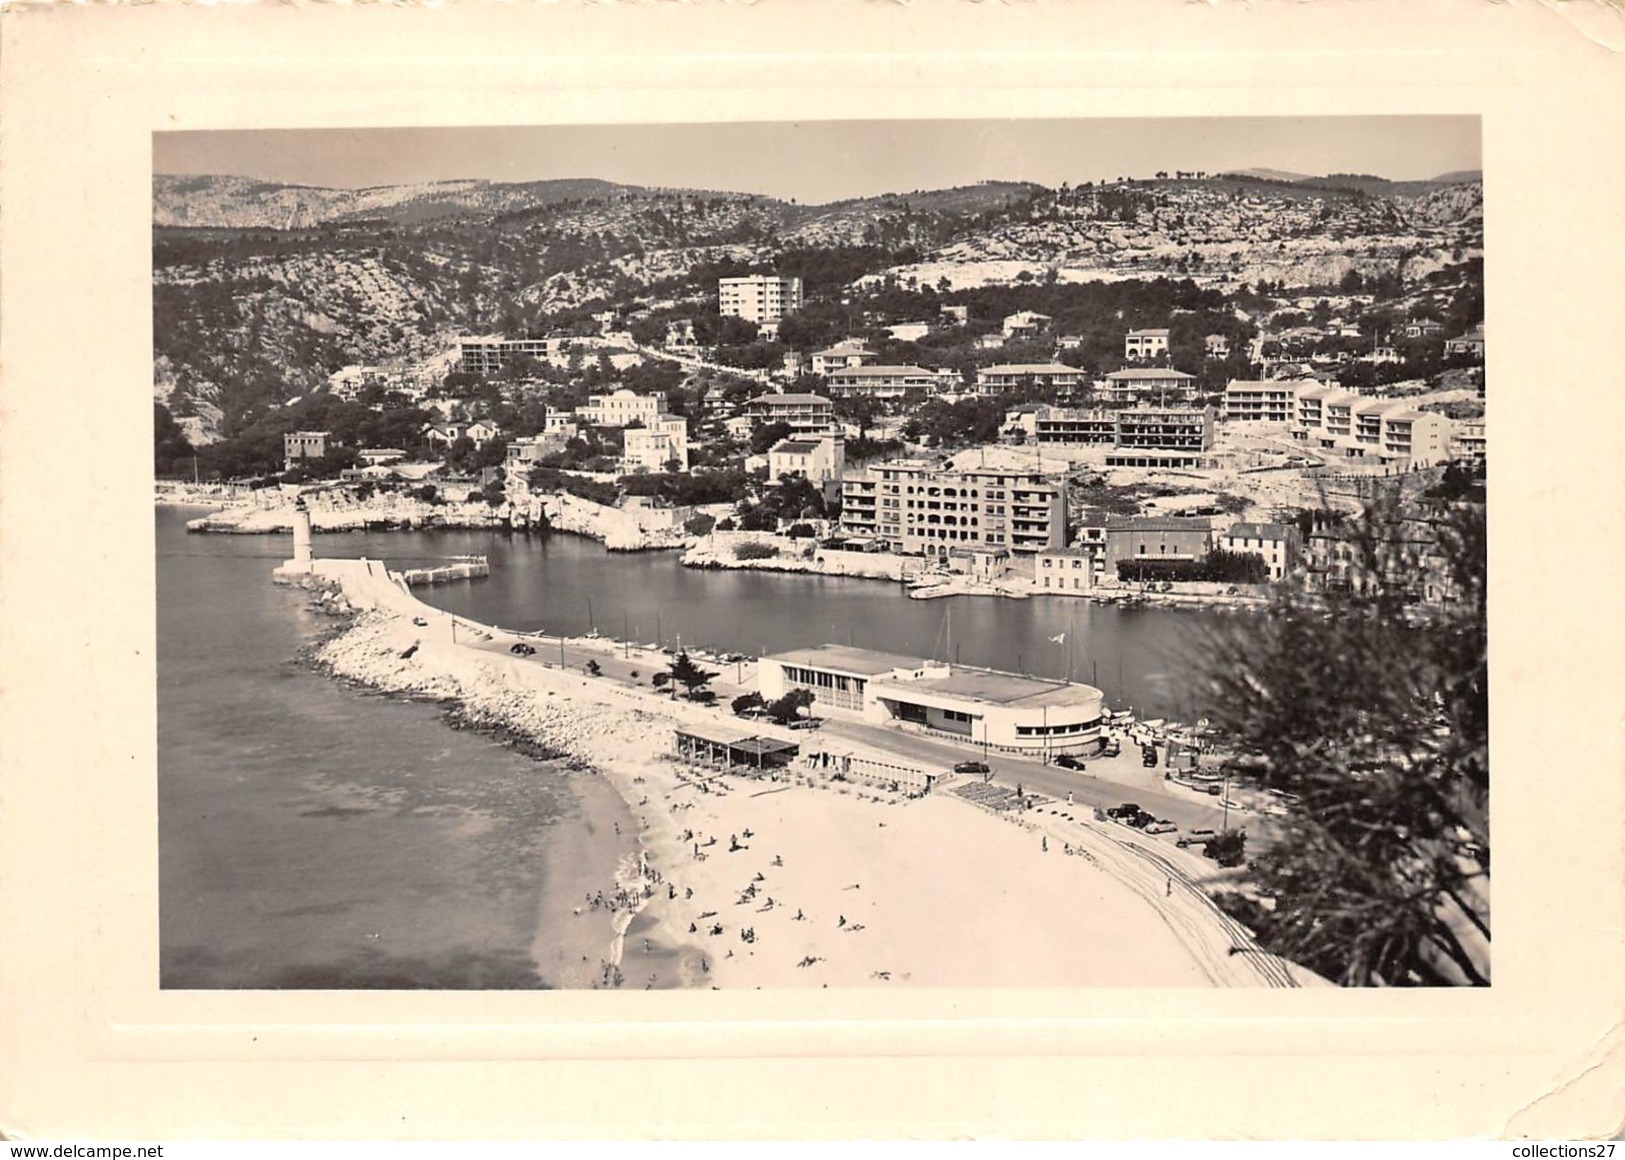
(1471, 343)
(803, 414)
(297, 445)
(1261, 401)
(1276, 543)
(1218, 346)
(759, 297)
(1143, 428)
(1026, 324)
(1073, 425)
(680, 338)
(1467, 441)
(956, 315)
(1165, 428)
(818, 460)
(1162, 383)
(623, 407)
(1164, 538)
(529, 449)
(660, 445)
(487, 356)
(1386, 430)
(877, 382)
(923, 509)
(1069, 571)
(852, 352)
(1007, 376)
(1144, 345)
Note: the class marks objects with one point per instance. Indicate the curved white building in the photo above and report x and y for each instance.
(1002, 711)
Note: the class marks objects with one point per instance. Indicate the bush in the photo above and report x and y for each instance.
(801, 532)
(1228, 849)
(699, 524)
(755, 551)
(725, 524)
(744, 704)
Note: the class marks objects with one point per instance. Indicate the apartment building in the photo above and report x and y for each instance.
(1218, 346)
(1007, 376)
(1471, 343)
(1144, 345)
(1132, 383)
(1277, 543)
(1070, 571)
(1467, 441)
(1386, 430)
(660, 445)
(1070, 425)
(923, 509)
(1261, 401)
(882, 382)
(818, 460)
(760, 298)
(487, 356)
(850, 353)
(803, 414)
(1164, 538)
(297, 445)
(623, 407)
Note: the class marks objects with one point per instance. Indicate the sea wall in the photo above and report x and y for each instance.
(720, 550)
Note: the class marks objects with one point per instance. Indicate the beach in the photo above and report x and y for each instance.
(793, 878)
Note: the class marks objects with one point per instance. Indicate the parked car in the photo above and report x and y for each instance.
(1111, 748)
(1126, 810)
(1196, 837)
(972, 767)
(420, 622)
(522, 649)
(1161, 826)
(1148, 756)
(1067, 761)
(805, 723)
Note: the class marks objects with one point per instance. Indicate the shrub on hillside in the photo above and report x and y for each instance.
(755, 551)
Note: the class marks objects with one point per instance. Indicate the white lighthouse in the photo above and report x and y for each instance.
(301, 536)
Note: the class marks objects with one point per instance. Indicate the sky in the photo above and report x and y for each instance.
(816, 162)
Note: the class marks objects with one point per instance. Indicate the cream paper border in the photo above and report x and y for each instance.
(89, 1047)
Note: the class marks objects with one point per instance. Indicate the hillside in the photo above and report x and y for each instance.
(261, 290)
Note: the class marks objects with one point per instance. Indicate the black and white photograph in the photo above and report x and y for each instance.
(884, 554)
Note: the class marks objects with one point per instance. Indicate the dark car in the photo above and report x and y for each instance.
(1148, 756)
(420, 622)
(972, 767)
(1126, 810)
(522, 649)
(1067, 761)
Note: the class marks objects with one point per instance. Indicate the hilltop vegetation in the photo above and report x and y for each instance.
(262, 290)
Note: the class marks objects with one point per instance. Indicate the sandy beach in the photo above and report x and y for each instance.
(795, 880)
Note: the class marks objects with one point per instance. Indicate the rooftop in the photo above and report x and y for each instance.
(862, 661)
(794, 447)
(1259, 531)
(1030, 369)
(1161, 332)
(878, 372)
(1157, 524)
(1149, 373)
(798, 400)
(990, 687)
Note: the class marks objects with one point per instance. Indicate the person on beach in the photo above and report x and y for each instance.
(1045, 842)
(1170, 893)
(842, 922)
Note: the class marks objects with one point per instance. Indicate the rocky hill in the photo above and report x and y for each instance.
(261, 290)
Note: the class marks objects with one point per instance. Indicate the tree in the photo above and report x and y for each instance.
(744, 704)
(688, 674)
(788, 707)
(1374, 712)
